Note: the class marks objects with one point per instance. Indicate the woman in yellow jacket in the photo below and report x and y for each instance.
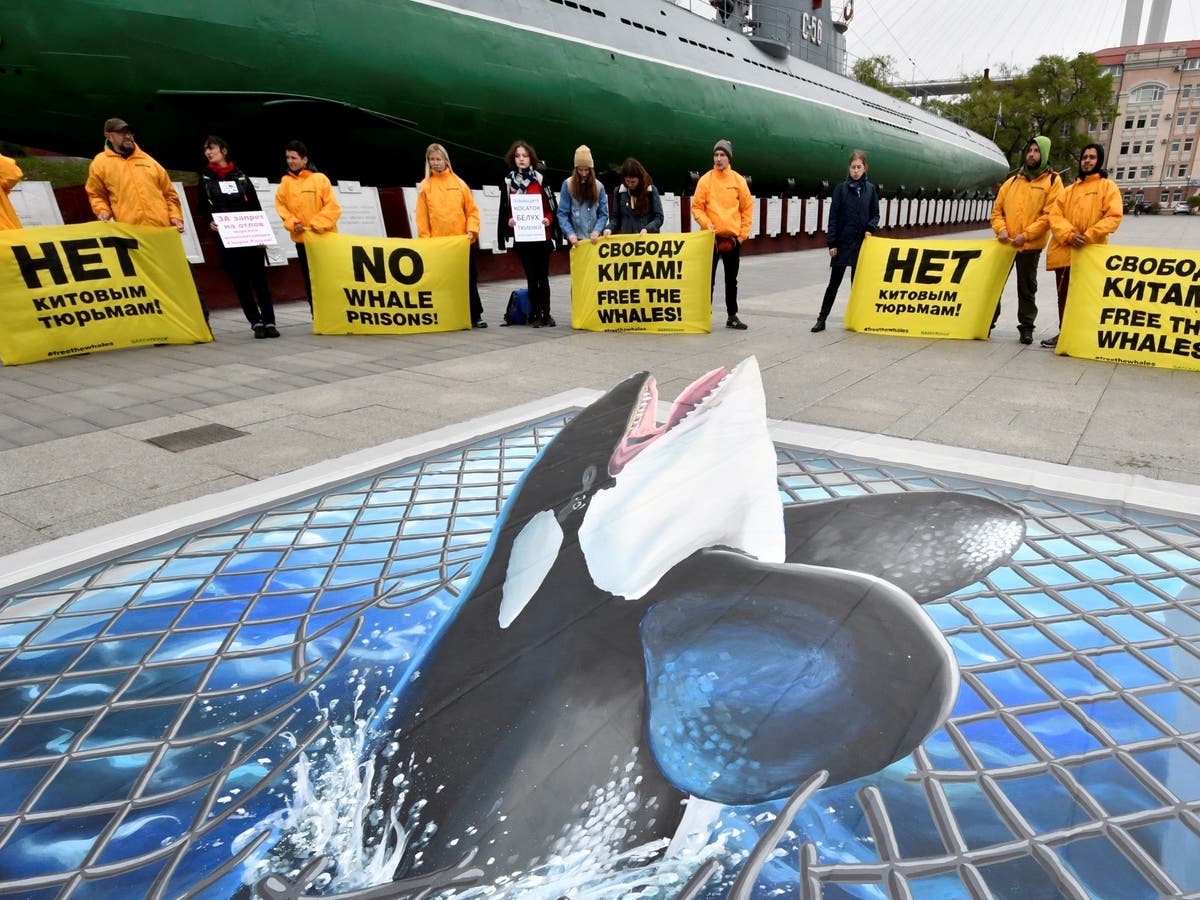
(10, 174)
(1087, 212)
(445, 208)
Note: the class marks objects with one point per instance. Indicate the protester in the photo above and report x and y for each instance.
(853, 213)
(722, 203)
(10, 174)
(126, 185)
(583, 206)
(224, 188)
(1021, 217)
(1085, 213)
(524, 178)
(637, 208)
(305, 201)
(445, 208)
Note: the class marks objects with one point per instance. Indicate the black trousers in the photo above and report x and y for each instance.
(535, 260)
(1026, 265)
(473, 286)
(247, 270)
(836, 274)
(733, 261)
(304, 271)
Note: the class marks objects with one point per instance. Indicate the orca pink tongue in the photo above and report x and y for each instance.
(642, 431)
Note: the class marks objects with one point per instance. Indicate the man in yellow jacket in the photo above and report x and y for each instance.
(1086, 213)
(10, 174)
(445, 208)
(1021, 217)
(305, 202)
(125, 184)
(722, 203)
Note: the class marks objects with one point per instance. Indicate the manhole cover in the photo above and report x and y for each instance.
(191, 438)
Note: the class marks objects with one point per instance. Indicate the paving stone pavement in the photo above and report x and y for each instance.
(73, 451)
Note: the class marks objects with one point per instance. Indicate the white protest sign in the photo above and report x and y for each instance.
(244, 229)
(527, 214)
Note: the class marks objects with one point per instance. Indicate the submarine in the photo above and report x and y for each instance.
(368, 84)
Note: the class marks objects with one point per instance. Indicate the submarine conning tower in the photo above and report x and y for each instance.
(811, 30)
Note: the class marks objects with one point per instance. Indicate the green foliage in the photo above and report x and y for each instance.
(878, 72)
(1054, 96)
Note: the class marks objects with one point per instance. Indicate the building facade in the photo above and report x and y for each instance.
(1152, 147)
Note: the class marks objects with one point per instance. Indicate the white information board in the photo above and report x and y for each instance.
(826, 205)
(893, 213)
(361, 213)
(811, 209)
(794, 212)
(672, 214)
(285, 247)
(755, 218)
(488, 201)
(774, 216)
(35, 204)
(191, 242)
(410, 206)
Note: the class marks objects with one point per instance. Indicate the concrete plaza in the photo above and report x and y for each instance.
(73, 433)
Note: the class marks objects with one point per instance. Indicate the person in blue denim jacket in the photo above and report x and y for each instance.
(583, 206)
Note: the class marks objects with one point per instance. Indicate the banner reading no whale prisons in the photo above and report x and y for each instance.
(927, 288)
(1137, 305)
(658, 283)
(71, 289)
(364, 285)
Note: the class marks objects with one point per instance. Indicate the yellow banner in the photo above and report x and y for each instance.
(1138, 305)
(657, 283)
(927, 288)
(72, 289)
(364, 285)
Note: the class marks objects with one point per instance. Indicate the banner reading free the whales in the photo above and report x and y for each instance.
(72, 289)
(1137, 305)
(927, 288)
(658, 283)
(364, 285)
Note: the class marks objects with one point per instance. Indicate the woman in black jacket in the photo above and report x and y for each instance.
(853, 213)
(638, 208)
(224, 188)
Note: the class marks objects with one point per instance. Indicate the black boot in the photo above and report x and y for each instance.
(819, 325)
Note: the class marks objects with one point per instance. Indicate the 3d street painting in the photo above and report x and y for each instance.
(595, 656)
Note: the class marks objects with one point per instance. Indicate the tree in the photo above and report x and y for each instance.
(1057, 97)
(878, 72)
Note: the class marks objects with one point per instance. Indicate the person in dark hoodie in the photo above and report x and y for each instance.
(1021, 217)
(1087, 212)
(637, 208)
(224, 188)
(853, 213)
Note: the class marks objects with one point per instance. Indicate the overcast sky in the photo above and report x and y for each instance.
(935, 39)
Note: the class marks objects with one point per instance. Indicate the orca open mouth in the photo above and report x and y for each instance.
(642, 430)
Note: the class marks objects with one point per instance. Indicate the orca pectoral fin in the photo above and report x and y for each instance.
(759, 675)
(534, 551)
(928, 544)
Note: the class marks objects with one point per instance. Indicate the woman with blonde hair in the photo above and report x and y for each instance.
(583, 206)
(446, 208)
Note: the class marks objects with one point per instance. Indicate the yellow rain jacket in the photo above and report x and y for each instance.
(1091, 207)
(134, 189)
(445, 206)
(10, 174)
(723, 200)
(307, 197)
(1023, 207)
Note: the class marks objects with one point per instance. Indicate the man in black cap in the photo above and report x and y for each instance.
(722, 203)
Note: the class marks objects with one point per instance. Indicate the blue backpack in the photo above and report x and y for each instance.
(519, 310)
